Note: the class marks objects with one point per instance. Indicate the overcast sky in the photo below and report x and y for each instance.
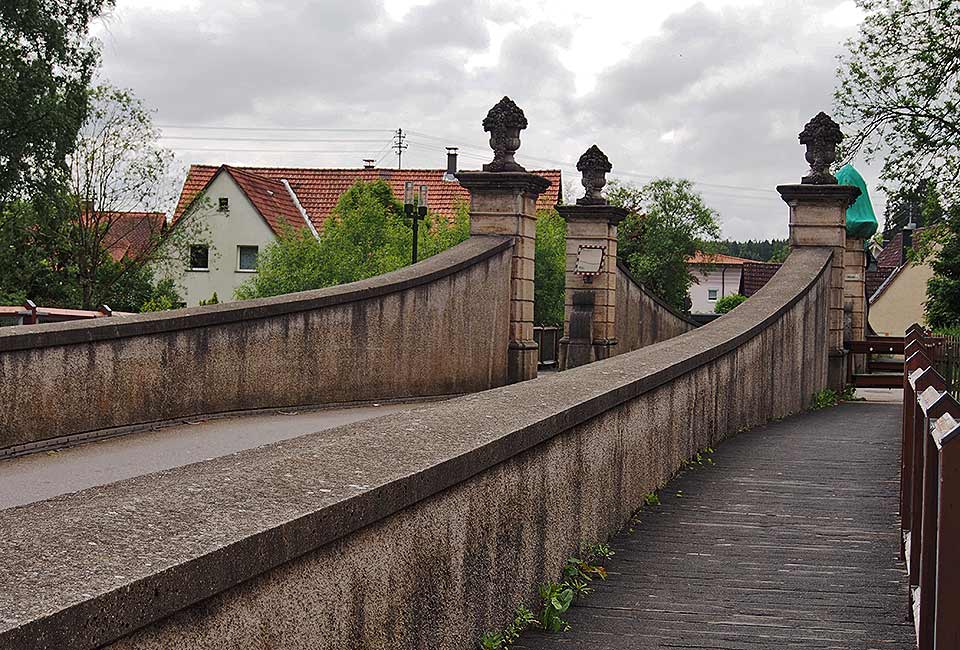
(713, 91)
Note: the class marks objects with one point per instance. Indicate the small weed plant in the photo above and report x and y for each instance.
(556, 598)
(825, 399)
(829, 397)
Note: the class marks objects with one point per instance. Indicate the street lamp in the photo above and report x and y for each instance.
(415, 208)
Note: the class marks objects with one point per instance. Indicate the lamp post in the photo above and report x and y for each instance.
(415, 208)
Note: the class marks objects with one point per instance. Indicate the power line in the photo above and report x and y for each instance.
(289, 151)
(268, 128)
(621, 173)
(230, 139)
(708, 189)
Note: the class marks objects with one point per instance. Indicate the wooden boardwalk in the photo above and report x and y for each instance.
(789, 541)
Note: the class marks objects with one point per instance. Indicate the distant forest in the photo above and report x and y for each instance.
(766, 250)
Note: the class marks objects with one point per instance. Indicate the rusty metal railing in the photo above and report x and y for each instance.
(930, 494)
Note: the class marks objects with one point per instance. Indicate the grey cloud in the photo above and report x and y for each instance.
(735, 85)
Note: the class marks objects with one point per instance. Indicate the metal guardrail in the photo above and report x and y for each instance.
(930, 495)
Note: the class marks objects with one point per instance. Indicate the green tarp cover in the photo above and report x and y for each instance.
(861, 222)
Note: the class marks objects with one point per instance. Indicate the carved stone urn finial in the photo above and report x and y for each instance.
(821, 135)
(504, 122)
(594, 165)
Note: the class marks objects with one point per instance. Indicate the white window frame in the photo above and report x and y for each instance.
(239, 247)
(715, 293)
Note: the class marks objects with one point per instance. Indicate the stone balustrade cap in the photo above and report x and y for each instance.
(612, 214)
(844, 195)
(504, 181)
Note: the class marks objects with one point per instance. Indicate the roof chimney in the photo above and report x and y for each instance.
(368, 163)
(451, 173)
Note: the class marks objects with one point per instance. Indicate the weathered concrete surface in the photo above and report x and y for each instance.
(642, 318)
(439, 327)
(365, 541)
(789, 541)
(39, 476)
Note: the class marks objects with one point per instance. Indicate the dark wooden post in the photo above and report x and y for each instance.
(947, 626)
(910, 364)
(935, 404)
(928, 378)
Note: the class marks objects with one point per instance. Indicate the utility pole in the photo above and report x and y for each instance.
(399, 146)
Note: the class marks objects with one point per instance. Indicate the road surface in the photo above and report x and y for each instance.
(43, 475)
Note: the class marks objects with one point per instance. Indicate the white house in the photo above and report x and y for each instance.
(245, 208)
(716, 275)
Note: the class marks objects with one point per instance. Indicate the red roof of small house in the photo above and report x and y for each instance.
(715, 259)
(875, 279)
(318, 190)
(270, 197)
(889, 262)
(130, 234)
(755, 275)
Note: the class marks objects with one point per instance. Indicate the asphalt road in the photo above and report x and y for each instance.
(43, 475)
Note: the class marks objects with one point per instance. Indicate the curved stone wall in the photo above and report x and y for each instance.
(642, 318)
(436, 328)
(417, 530)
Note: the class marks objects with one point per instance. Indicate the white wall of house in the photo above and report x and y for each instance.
(900, 305)
(711, 285)
(239, 225)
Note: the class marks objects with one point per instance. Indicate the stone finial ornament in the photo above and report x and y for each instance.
(821, 135)
(594, 165)
(504, 122)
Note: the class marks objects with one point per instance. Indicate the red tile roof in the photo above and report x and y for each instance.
(270, 198)
(892, 253)
(130, 234)
(755, 275)
(875, 279)
(715, 258)
(889, 261)
(319, 189)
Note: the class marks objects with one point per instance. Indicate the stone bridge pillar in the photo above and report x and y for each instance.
(503, 201)
(590, 297)
(855, 299)
(818, 217)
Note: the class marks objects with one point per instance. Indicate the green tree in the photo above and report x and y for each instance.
(899, 87)
(118, 182)
(942, 308)
(549, 268)
(46, 62)
(164, 296)
(728, 303)
(919, 204)
(365, 235)
(140, 290)
(765, 250)
(35, 259)
(668, 222)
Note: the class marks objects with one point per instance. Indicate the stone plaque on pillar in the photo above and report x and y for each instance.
(591, 293)
(503, 202)
(818, 217)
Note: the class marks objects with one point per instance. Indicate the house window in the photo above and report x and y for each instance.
(711, 294)
(247, 258)
(224, 204)
(199, 257)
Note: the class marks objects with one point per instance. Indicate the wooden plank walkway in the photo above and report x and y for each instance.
(789, 541)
